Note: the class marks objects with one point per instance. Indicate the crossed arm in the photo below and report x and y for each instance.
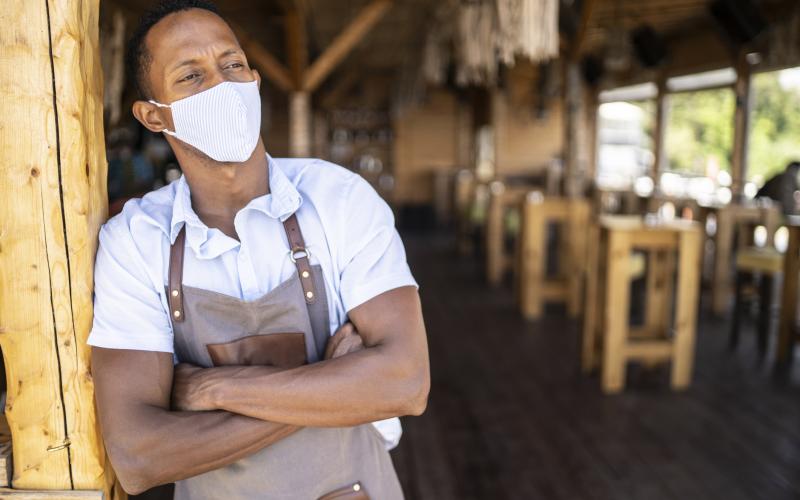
(249, 408)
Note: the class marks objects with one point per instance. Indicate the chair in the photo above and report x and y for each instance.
(763, 264)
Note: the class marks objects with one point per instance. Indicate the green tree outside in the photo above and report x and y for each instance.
(774, 127)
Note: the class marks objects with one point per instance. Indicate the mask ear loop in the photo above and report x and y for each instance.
(166, 131)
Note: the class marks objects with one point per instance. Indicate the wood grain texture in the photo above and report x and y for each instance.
(50, 495)
(787, 329)
(341, 46)
(53, 202)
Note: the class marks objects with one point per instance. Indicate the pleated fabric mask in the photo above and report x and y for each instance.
(223, 122)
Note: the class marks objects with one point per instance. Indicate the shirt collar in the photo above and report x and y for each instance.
(281, 202)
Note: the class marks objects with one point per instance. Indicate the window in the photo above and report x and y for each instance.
(699, 135)
(774, 124)
(625, 142)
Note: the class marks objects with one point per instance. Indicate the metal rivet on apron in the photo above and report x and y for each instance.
(310, 295)
(305, 274)
(356, 487)
(177, 314)
(175, 293)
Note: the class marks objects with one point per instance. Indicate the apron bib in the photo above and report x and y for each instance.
(287, 327)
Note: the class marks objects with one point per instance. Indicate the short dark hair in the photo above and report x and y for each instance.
(138, 58)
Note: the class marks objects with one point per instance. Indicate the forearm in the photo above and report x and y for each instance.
(159, 446)
(360, 387)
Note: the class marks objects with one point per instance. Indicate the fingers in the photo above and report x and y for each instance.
(349, 343)
(334, 340)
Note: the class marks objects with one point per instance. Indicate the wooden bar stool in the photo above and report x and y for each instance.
(535, 287)
(787, 331)
(767, 264)
(502, 200)
(463, 190)
(673, 249)
(729, 218)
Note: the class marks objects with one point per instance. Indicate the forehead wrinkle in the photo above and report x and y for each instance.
(199, 54)
(202, 33)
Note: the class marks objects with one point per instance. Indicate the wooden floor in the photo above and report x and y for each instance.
(510, 415)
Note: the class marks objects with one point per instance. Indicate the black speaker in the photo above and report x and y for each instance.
(649, 46)
(741, 20)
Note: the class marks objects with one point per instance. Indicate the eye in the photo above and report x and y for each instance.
(235, 65)
(189, 77)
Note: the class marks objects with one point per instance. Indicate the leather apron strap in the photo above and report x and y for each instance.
(298, 253)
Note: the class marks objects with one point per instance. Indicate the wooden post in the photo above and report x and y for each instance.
(300, 129)
(615, 319)
(52, 203)
(689, 267)
(660, 131)
(495, 235)
(532, 254)
(573, 129)
(741, 130)
(723, 249)
(577, 243)
(593, 304)
(788, 321)
(593, 110)
(300, 80)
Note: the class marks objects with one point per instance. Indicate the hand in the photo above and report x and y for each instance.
(189, 388)
(344, 341)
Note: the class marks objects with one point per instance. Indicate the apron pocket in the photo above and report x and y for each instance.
(354, 491)
(281, 350)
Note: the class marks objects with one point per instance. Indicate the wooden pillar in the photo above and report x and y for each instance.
(741, 128)
(592, 112)
(575, 130)
(300, 130)
(52, 203)
(660, 132)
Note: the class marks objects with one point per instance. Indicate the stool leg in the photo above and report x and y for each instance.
(616, 320)
(738, 310)
(765, 304)
(686, 309)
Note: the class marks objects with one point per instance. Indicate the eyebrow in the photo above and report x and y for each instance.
(189, 62)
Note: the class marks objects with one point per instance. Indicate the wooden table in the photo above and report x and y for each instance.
(787, 331)
(607, 310)
(502, 198)
(729, 218)
(535, 287)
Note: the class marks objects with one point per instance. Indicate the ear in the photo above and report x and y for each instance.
(154, 118)
(257, 77)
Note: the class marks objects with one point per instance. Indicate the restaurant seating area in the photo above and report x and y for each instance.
(600, 200)
(513, 414)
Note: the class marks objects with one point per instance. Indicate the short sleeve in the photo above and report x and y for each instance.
(128, 310)
(372, 259)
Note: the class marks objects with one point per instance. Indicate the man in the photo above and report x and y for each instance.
(784, 188)
(239, 271)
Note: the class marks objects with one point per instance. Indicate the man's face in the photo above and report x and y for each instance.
(192, 51)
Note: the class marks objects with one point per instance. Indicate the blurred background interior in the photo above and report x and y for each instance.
(609, 282)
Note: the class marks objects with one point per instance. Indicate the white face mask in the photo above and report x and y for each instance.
(223, 122)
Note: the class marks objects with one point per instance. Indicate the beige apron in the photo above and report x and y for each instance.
(279, 328)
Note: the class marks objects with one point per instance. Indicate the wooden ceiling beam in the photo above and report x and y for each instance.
(344, 43)
(297, 45)
(273, 69)
(583, 29)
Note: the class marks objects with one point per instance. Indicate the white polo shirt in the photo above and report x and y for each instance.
(348, 229)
